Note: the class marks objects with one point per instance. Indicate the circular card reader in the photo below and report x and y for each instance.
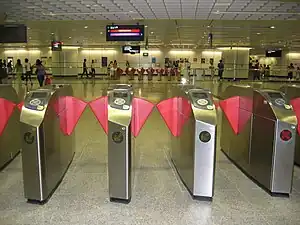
(35, 102)
(204, 136)
(119, 101)
(202, 102)
(280, 101)
(117, 137)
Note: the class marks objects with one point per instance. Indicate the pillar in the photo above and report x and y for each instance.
(236, 62)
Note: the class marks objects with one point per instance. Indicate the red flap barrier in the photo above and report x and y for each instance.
(20, 105)
(175, 112)
(296, 106)
(6, 110)
(69, 110)
(99, 108)
(238, 111)
(141, 110)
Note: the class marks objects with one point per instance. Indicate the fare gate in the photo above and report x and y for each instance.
(191, 117)
(122, 117)
(120, 143)
(258, 135)
(48, 118)
(292, 93)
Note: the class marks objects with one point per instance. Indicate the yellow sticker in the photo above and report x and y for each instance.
(40, 107)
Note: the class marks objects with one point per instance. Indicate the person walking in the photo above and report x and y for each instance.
(28, 72)
(19, 71)
(220, 69)
(40, 72)
(85, 69)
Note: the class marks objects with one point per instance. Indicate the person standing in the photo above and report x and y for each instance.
(4, 64)
(220, 69)
(3, 74)
(298, 73)
(109, 69)
(115, 68)
(9, 67)
(291, 69)
(40, 72)
(27, 72)
(85, 69)
(19, 71)
(256, 71)
(93, 70)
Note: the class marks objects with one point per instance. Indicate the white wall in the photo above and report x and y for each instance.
(69, 61)
(279, 65)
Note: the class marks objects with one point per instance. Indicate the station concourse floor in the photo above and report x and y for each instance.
(158, 195)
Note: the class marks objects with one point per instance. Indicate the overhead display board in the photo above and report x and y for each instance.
(125, 33)
(13, 34)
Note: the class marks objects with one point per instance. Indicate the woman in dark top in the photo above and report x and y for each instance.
(40, 72)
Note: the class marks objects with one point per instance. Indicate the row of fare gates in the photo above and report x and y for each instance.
(259, 134)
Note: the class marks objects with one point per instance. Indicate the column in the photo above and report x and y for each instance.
(236, 62)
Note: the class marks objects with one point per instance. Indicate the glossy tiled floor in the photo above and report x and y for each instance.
(158, 195)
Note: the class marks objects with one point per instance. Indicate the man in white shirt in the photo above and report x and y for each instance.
(27, 71)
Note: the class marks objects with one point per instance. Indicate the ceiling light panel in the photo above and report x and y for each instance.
(26, 10)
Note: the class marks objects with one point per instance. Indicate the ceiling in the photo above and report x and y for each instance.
(170, 23)
(27, 10)
(172, 33)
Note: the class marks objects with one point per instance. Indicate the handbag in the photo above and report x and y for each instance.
(48, 81)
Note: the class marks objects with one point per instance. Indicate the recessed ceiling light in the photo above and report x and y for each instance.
(52, 33)
(208, 26)
(152, 32)
(29, 38)
(101, 32)
(258, 33)
(87, 5)
(28, 28)
(70, 37)
(146, 26)
(272, 27)
(86, 27)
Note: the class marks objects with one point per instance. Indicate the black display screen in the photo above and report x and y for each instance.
(274, 53)
(56, 46)
(275, 95)
(13, 34)
(39, 95)
(120, 95)
(131, 49)
(199, 95)
(125, 33)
